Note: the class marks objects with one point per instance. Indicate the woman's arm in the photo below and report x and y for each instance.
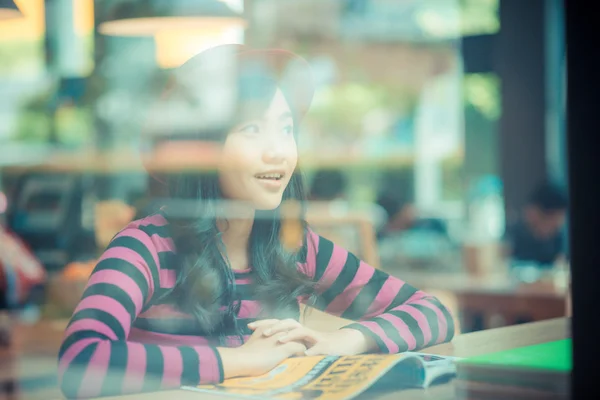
(397, 316)
(97, 359)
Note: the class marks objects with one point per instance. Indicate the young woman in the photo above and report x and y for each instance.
(193, 299)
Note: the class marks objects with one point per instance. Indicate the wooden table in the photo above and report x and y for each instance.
(467, 345)
(495, 298)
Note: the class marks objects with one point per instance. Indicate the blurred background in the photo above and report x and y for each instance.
(434, 147)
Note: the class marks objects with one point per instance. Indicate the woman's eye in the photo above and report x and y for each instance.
(253, 128)
(288, 129)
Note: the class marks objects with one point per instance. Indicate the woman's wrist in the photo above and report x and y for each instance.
(235, 364)
(361, 343)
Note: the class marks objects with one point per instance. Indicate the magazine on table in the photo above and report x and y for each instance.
(339, 377)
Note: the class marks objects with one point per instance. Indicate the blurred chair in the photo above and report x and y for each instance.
(65, 289)
(110, 217)
(46, 214)
(352, 229)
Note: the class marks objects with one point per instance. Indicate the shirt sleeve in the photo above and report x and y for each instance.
(96, 359)
(396, 315)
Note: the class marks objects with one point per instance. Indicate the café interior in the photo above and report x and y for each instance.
(434, 150)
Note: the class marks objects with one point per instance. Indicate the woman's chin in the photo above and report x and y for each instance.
(267, 204)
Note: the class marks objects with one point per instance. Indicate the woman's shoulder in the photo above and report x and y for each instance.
(156, 220)
(153, 228)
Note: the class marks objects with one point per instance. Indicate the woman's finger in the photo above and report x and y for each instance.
(303, 334)
(293, 348)
(262, 323)
(316, 350)
(282, 326)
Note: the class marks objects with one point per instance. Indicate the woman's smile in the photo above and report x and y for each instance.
(272, 180)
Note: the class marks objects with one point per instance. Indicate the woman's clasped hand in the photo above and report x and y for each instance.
(340, 342)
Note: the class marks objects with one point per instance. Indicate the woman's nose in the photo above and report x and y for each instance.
(274, 152)
(273, 156)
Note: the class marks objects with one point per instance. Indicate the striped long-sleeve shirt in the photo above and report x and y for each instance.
(119, 340)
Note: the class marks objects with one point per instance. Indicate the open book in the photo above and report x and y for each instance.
(339, 378)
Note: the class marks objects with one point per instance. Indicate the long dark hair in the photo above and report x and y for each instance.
(205, 285)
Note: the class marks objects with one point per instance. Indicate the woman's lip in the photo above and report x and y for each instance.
(271, 183)
(281, 174)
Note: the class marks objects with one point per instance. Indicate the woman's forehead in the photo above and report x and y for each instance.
(279, 107)
(274, 107)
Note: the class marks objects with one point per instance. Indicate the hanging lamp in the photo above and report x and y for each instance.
(149, 17)
(9, 10)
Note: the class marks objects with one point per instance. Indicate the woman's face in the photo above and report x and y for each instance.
(259, 157)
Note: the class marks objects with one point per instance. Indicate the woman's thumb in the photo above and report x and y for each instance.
(314, 351)
(294, 348)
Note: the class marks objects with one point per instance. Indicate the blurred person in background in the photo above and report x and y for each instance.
(4, 320)
(21, 277)
(538, 237)
(329, 192)
(402, 216)
(328, 185)
(408, 239)
(214, 294)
